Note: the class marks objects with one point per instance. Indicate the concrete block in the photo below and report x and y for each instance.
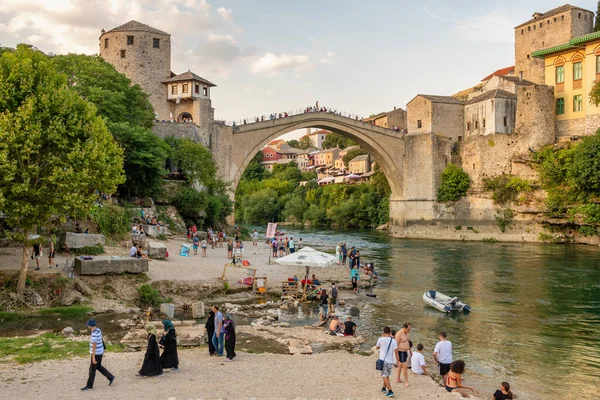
(72, 240)
(198, 310)
(155, 230)
(102, 265)
(168, 309)
(157, 250)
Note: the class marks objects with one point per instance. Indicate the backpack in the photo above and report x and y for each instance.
(334, 292)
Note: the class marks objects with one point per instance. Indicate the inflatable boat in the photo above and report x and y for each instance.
(444, 303)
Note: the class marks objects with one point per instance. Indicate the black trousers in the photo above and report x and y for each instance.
(97, 367)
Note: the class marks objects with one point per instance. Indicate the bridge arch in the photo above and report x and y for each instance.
(385, 146)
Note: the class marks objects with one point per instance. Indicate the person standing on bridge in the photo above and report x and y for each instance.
(317, 106)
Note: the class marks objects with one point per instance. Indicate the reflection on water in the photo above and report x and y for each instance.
(536, 308)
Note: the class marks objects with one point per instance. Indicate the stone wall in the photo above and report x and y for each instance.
(570, 127)
(535, 116)
(143, 64)
(592, 124)
(419, 109)
(544, 33)
(181, 130)
(448, 120)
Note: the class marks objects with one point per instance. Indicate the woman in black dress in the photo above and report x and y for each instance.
(151, 365)
(168, 341)
(229, 327)
(210, 330)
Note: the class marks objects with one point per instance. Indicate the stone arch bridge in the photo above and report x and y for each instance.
(412, 164)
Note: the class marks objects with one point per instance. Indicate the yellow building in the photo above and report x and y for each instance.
(360, 164)
(572, 68)
(327, 157)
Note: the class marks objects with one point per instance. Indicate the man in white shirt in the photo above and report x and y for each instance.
(133, 251)
(388, 353)
(417, 362)
(442, 354)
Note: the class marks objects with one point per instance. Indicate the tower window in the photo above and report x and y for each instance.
(156, 43)
(505, 121)
(560, 106)
(173, 89)
(184, 88)
(129, 40)
(577, 102)
(197, 88)
(579, 15)
(205, 91)
(522, 31)
(562, 18)
(122, 53)
(554, 19)
(468, 127)
(529, 28)
(534, 27)
(476, 124)
(419, 124)
(106, 43)
(541, 24)
(483, 123)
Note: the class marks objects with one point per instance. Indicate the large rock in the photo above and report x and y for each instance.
(155, 230)
(157, 250)
(168, 309)
(102, 265)
(198, 310)
(72, 240)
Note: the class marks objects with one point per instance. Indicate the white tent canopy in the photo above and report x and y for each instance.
(307, 256)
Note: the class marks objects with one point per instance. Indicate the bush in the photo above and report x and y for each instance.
(587, 230)
(454, 185)
(112, 220)
(506, 187)
(315, 215)
(149, 296)
(504, 218)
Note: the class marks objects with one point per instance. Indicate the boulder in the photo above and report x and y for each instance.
(72, 297)
(102, 265)
(168, 309)
(155, 230)
(71, 240)
(157, 250)
(198, 310)
(68, 331)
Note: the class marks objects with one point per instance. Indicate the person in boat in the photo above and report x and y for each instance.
(503, 393)
(442, 354)
(402, 339)
(229, 327)
(151, 365)
(168, 341)
(454, 381)
(210, 331)
(336, 326)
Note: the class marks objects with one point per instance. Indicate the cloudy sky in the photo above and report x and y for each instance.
(273, 55)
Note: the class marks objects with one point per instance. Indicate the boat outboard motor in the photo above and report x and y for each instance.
(431, 293)
(466, 308)
(453, 302)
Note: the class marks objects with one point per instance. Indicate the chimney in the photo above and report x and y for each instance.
(308, 131)
(520, 75)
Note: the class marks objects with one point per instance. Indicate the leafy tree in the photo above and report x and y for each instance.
(294, 143)
(305, 143)
(255, 171)
(294, 209)
(351, 154)
(145, 158)
(287, 172)
(315, 215)
(194, 160)
(454, 185)
(191, 204)
(261, 206)
(336, 140)
(585, 169)
(597, 22)
(56, 153)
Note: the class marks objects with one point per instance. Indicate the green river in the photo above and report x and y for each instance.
(536, 307)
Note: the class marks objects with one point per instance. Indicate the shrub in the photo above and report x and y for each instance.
(504, 218)
(315, 215)
(587, 230)
(454, 185)
(112, 220)
(149, 296)
(506, 187)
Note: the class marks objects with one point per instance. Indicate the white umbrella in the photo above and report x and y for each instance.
(307, 256)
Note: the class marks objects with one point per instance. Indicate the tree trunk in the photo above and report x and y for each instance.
(23, 273)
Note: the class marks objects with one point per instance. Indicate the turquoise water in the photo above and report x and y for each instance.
(536, 308)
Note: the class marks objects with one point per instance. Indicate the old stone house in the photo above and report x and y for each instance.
(390, 119)
(360, 164)
(442, 115)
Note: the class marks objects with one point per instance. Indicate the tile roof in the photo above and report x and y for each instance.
(329, 150)
(500, 72)
(188, 76)
(517, 80)
(492, 94)
(362, 157)
(558, 10)
(134, 26)
(441, 99)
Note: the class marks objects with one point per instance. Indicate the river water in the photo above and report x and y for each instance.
(536, 307)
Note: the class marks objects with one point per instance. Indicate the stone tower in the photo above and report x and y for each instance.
(143, 54)
(544, 30)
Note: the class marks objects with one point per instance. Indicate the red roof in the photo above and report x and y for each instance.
(276, 142)
(500, 72)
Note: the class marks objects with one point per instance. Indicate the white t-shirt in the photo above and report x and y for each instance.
(416, 362)
(385, 354)
(444, 350)
(132, 251)
(255, 236)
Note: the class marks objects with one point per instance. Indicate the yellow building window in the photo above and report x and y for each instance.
(577, 71)
(560, 107)
(560, 74)
(577, 102)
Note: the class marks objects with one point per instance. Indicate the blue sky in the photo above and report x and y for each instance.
(271, 56)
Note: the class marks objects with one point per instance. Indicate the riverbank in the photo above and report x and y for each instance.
(331, 375)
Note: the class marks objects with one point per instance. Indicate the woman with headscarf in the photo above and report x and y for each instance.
(229, 327)
(151, 365)
(168, 341)
(210, 330)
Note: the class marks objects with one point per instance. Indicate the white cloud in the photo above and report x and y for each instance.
(273, 64)
(225, 13)
(330, 54)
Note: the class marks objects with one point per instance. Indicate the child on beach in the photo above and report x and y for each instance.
(195, 243)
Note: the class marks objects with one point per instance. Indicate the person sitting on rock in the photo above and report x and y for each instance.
(336, 326)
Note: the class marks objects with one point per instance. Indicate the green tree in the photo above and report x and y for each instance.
(255, 171)
(56, 153)
(351, 154)
(305, 143)
(294, 143)
(454, 185)
(585, 170)
(336, 140)
(194, 160)
(261, 206)
(597, 22)
(294, 208)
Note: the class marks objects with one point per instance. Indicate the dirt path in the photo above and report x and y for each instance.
(332, 375)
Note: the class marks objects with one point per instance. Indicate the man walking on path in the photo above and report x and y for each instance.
(402, 339)
(219, 334)
(333, 294)
(387, 352)
(255, 238)
(96, 353)
(442, 354)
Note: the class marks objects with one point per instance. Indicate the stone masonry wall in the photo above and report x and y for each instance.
(535, 116)
(571, 127)
(448, 120)
(143, 64)
(592, 124)
(419, 109)
(181, 130)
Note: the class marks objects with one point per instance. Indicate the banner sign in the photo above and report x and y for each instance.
(271, 229)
